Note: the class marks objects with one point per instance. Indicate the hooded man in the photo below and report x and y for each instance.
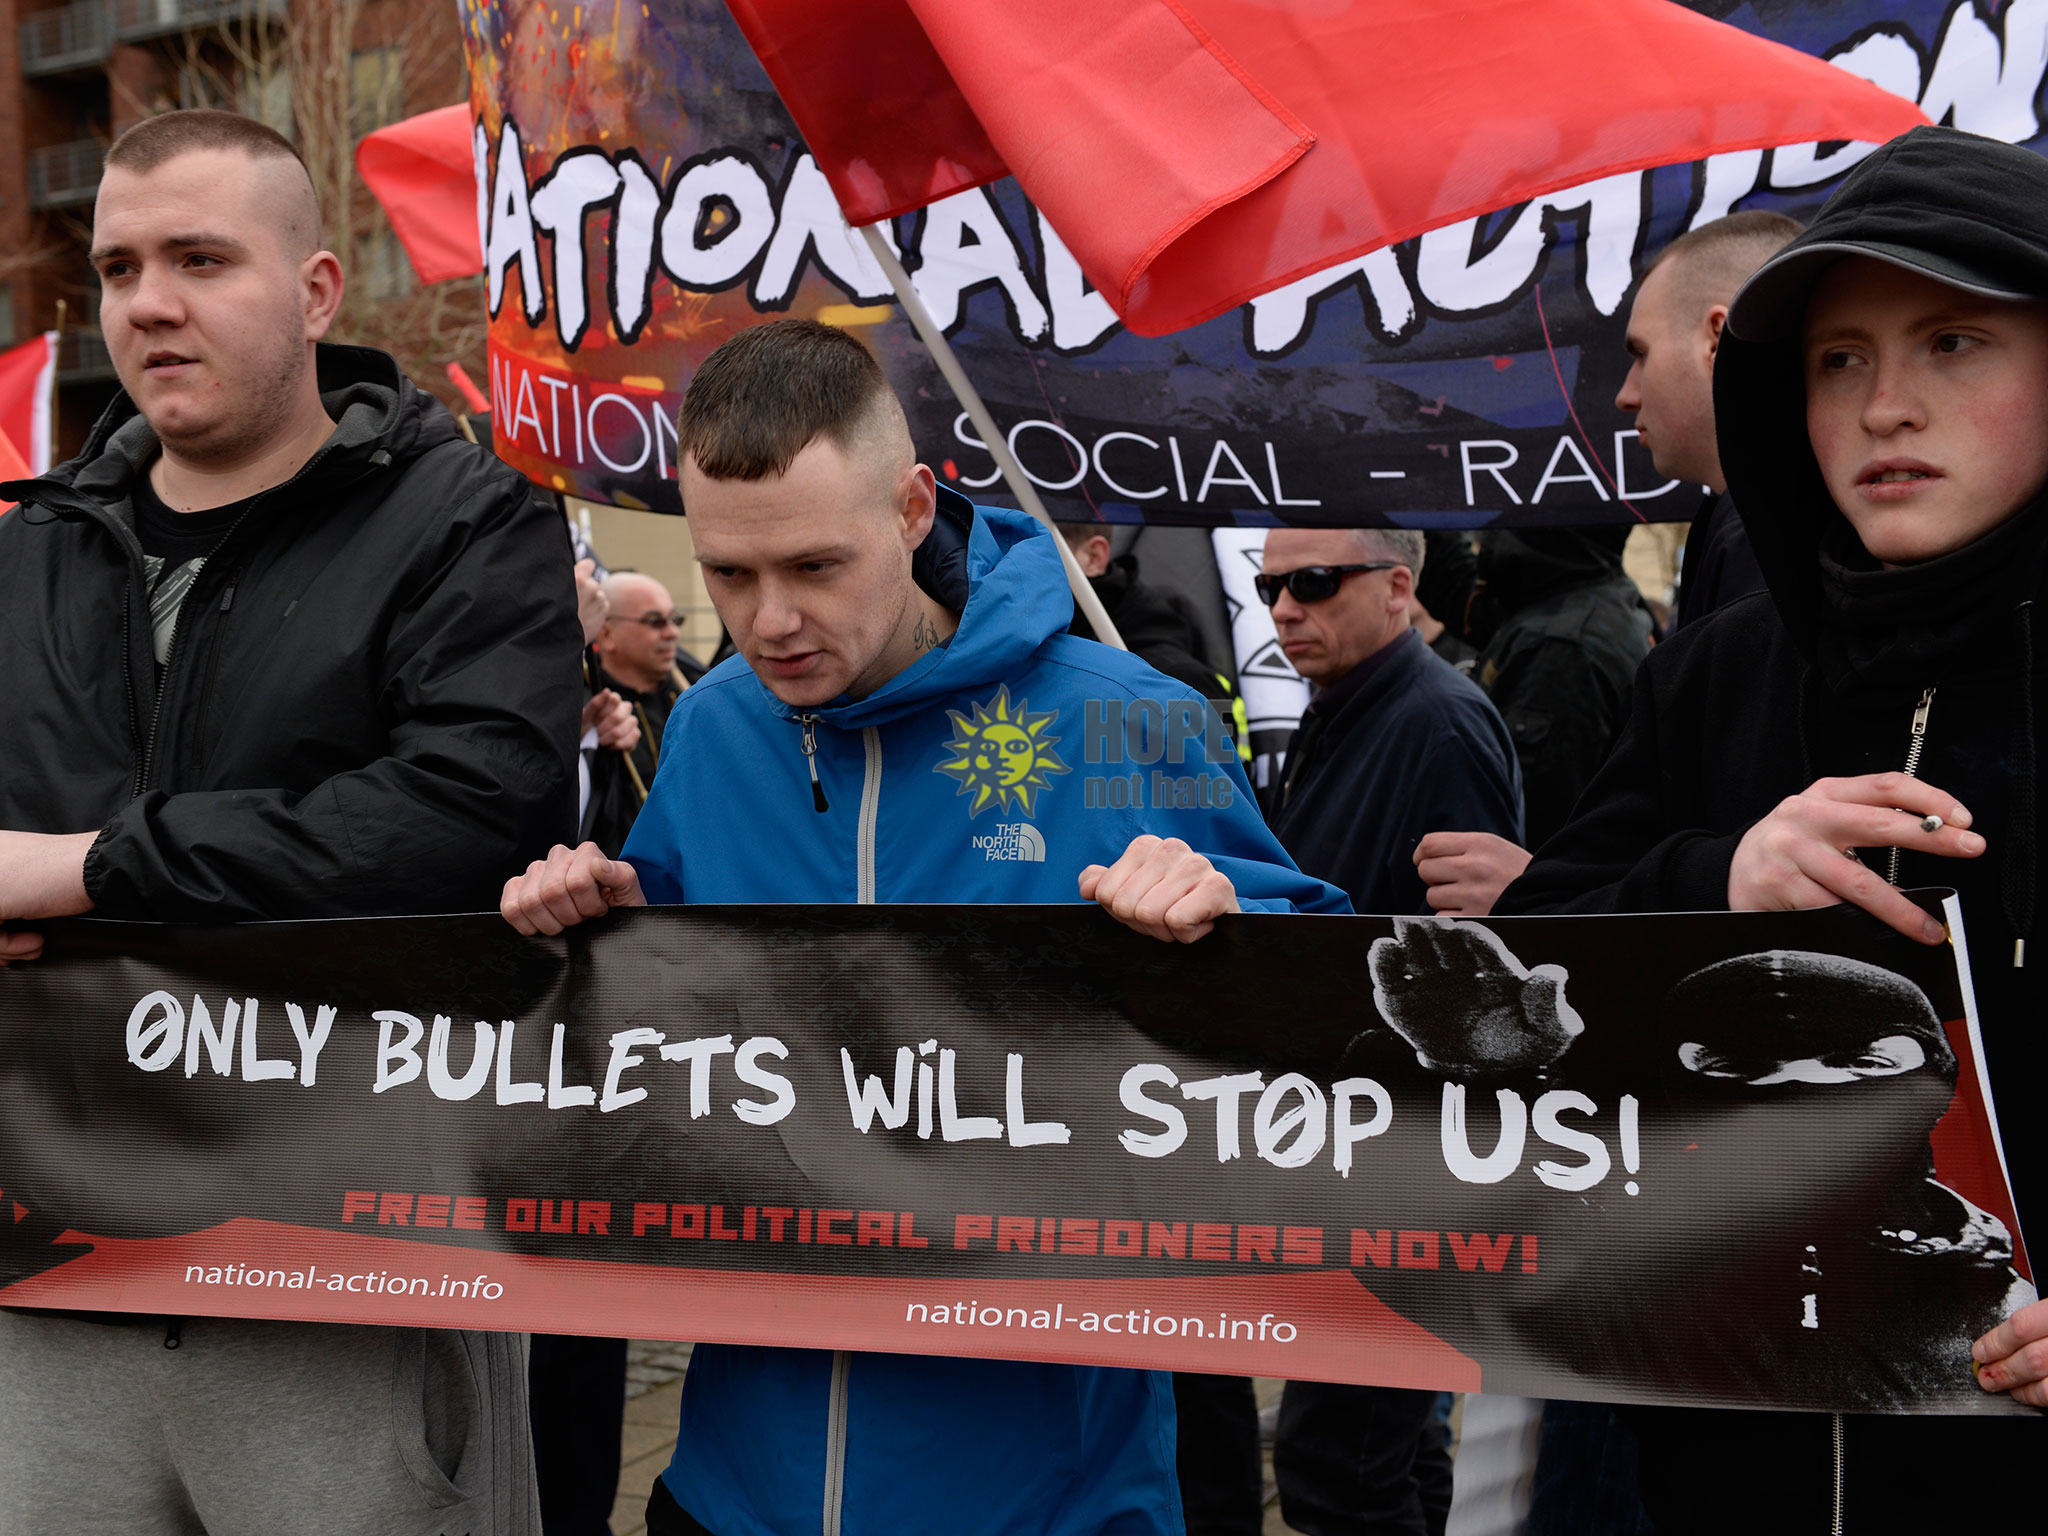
(904, 668)
(1560, 666)
(1152, 622)
(278, 644)
(1881, 392)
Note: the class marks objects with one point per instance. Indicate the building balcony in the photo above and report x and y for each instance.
(135, 20)
(82, 357)
(64, 174)
(71, 37)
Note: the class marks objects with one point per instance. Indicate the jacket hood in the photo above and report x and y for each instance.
(1520, 565)
(999, 568)
(1955, 204)
(377, 410)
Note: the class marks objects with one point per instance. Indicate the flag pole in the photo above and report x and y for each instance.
(998, 445)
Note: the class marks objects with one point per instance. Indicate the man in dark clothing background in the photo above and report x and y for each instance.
(279, 644)
(639, 657)
(1150, 621)
(1882, 399)
(1674, 328)
(1560, 666)
(1395, 743)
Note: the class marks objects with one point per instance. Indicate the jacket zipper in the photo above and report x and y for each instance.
(227, 601)
(1836, 1526)
(1914, 749)
(835, 1442)
(378, 460)
(163, 682)
(864, 894)
(870, 813)
(128, 679)
(810, 750)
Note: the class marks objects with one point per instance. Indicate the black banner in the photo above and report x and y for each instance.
(1729, 1159)
(643, 194)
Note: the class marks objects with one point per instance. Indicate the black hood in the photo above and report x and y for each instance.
(1521, 565)
(1944, 202)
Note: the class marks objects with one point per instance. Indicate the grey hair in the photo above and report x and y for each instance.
(1402, 544)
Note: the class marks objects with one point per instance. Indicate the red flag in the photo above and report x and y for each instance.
(1196, 153)
(12, 467)
(28, 383)
(423, 171)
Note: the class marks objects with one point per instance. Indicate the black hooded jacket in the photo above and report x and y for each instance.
(1821, 676)
(1560, 666)
(1152, 626)
(370, 704)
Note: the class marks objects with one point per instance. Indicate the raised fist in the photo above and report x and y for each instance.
(1470, 1009)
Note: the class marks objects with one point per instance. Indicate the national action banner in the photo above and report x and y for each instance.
(643, 193)
(1728, 1159)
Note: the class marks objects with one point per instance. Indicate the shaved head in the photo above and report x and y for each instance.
(293, 206)
(287, 199)
(1708, 265)
(631, 593)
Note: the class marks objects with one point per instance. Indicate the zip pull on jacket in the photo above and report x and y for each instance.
(810, 751)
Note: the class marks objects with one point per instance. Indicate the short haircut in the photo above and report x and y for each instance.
(1405, 545)
(155, 141)
(1715, 260)
(1077, 534)
(768, 393)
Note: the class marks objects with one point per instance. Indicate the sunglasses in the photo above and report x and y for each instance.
(653, 620)
(1314, 583)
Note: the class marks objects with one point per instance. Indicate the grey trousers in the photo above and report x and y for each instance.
(262, 1428)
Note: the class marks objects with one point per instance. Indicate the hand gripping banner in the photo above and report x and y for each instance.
(1731, 1159)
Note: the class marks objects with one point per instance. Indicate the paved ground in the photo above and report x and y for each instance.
(654, 1390)
(654, 1394)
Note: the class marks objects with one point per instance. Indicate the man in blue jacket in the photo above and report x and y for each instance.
(908, 721)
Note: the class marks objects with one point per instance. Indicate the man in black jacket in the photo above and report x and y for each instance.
(1149, 620)
(1674, 331)
(1395, 744)
(1560, 666)
(1882, 398)
(277, 644)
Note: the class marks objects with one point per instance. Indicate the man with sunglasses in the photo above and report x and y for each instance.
(639, 658)
(1395, 744)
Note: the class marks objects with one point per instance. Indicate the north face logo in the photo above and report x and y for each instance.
(1011, 842)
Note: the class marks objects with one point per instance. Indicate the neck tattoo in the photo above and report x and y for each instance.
(924, 636)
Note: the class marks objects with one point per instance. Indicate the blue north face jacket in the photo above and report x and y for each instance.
(993, 769)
